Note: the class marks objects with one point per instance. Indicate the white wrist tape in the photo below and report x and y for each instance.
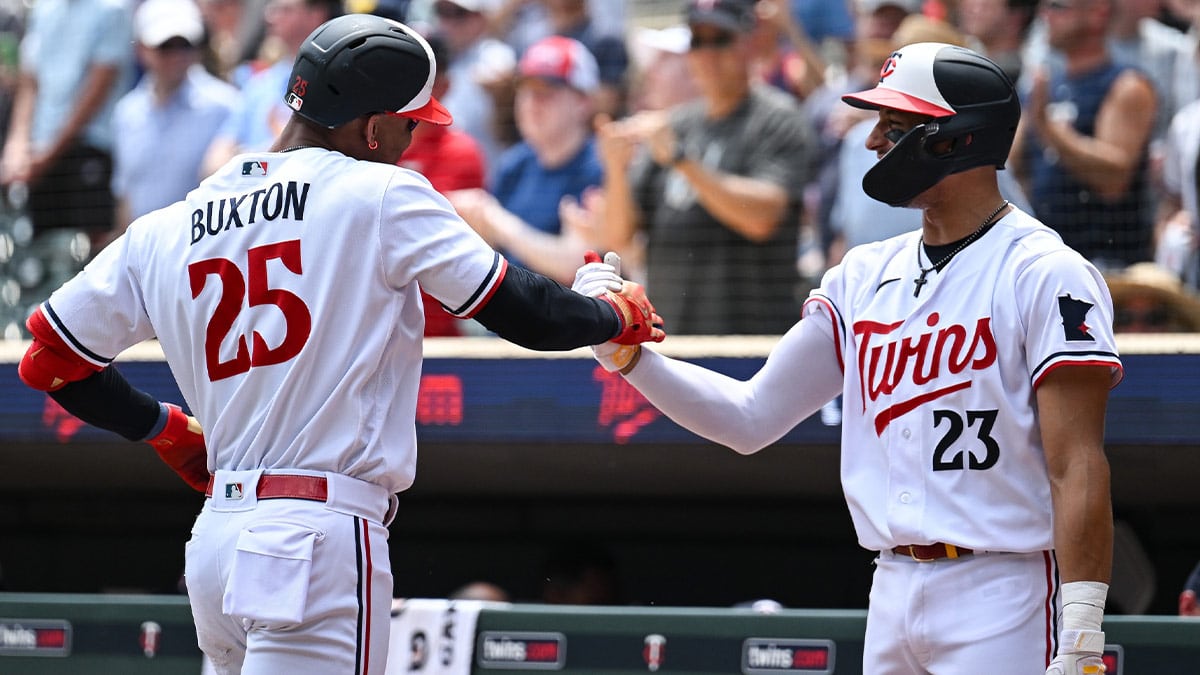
(1083, 605)
(1081, 642)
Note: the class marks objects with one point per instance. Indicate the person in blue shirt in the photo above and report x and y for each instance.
(550, 170)
(163, 127)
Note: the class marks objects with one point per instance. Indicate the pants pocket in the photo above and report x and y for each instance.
(269, 579)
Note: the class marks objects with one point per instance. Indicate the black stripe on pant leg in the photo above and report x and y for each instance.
(358, 562)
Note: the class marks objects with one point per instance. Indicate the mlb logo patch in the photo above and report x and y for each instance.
(254, 168)
(293, 101)
(233, 491)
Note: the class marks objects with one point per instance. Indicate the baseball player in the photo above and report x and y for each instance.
(285, 292)
(975, 358)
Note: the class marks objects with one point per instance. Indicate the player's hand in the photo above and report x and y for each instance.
(639, 322)
(602, 279)
(181, 445)
(596, 278)
(1080, 653)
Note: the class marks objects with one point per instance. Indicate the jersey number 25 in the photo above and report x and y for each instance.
(235, 290)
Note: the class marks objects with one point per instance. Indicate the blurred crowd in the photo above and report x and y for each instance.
(703, 140)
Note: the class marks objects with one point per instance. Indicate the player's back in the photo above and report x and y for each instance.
(290, 325)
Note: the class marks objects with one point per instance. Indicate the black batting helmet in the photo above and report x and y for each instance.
(358, 64)
(974, 106)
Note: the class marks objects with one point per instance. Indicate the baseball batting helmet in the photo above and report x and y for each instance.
(357, 64)
(974, 106)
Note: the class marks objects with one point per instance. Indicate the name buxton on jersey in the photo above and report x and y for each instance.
(276, 201)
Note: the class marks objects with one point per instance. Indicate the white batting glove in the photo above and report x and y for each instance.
(1080, 652)
(597, 278)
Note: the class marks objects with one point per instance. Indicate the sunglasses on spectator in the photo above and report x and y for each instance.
(715, 41)
(449, 10)
(1059, 4)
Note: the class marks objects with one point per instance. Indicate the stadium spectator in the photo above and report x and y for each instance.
(660, 77)
(825, 21)
(715, 186)
(1176, 233)
(555, 162)
(1137, 37)
(224, 49)
(1149, 299)
(163, 127)
(451, 160)
(783, 54)
(1083, 146)
(76, 61)
(997, 29)
(261, 113)
(523, 22)
(572, 18)
(479, 64)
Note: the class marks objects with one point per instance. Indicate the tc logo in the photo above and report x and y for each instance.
(889, 66)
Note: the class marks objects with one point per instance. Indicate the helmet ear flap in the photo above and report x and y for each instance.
(908, 169)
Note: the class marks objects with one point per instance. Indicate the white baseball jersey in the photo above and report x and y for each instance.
(940, 433)
(284, 292)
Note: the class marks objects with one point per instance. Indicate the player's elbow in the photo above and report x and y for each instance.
(34, 374)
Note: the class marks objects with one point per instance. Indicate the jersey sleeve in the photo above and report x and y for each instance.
(824, 305)
(1068, 315)
(100, 312)
(424, 240)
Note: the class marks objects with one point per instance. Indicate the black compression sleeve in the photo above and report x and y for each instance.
(107, 400)
(538, 313)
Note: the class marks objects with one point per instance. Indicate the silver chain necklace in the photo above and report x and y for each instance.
(921, 281)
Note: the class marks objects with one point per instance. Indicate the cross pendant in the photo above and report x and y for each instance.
(920, 281)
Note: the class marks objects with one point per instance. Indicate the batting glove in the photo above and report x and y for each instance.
(603, 279)
(596, 278)
(1080, 653)
(181, 445)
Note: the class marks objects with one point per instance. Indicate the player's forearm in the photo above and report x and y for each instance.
(538, 313)
(753, 208)
(800, 375)
(106, 400)
(1083, 521)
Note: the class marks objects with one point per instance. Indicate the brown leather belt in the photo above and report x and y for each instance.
(286, 486)
(931, 552)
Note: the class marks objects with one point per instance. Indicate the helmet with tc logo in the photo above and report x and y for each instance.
(975, 110)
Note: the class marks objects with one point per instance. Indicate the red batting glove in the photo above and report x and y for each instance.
(639, 322)
(181, 445)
